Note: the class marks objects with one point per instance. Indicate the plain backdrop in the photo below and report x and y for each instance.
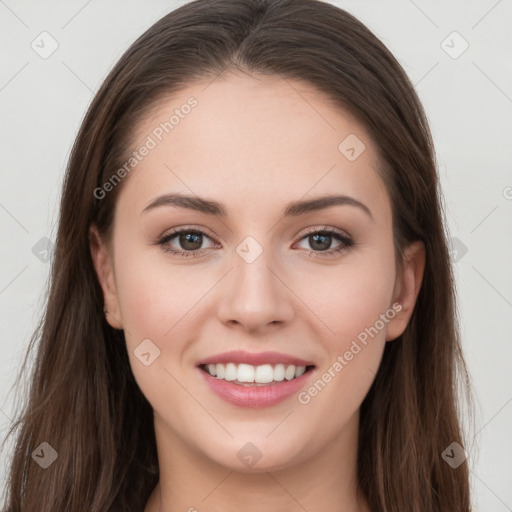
(458, 55)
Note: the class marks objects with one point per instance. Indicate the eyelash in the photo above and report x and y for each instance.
(346, 242)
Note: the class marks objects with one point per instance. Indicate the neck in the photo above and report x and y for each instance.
(190, 481)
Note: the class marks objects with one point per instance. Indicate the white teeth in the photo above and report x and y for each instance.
(245, 373)
(289, 373)
(230, 373)
(262, 374)
(299, 371)
(279, 372)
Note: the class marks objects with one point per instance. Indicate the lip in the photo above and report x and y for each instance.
(255, 396)
(254, 358)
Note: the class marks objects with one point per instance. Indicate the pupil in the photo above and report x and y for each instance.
(193, 238)
(325, 244)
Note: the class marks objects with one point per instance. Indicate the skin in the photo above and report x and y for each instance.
(254, 144)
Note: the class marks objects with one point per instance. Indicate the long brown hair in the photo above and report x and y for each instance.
(83, 399)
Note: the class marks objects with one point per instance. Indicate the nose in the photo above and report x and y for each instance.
(256, 296)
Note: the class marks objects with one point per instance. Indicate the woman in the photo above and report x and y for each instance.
(251, 300)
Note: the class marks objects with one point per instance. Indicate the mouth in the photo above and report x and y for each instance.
(255, 379)
(256, 376)
(249, 375)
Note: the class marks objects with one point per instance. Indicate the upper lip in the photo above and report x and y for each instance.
(253, 358)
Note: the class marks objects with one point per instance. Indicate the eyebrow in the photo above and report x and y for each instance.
(293, 209)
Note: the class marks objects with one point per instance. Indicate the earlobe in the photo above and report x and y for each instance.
(407, 288)
(103, 265)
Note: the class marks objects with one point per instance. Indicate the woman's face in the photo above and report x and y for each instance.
(260, 280)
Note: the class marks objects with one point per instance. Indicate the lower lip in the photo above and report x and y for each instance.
(255, 396)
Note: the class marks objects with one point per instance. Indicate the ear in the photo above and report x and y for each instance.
(103, 264)
(407, 287)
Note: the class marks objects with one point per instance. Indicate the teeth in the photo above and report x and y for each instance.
(230, 372)
(263, 374)
(299, 371)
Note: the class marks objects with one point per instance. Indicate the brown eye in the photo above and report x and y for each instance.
(321, 242)
(190, 240)
(186, 242)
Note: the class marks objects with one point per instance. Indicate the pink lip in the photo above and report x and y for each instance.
(255, 396)
(253, 358)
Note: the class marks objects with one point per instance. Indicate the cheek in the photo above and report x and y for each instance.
(358, 311)
(155, 299)
(150, 294)
(350, 298)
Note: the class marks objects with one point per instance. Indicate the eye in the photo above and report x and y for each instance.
(189, 239)
(321, 240)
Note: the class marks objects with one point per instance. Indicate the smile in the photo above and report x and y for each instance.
(247, 374)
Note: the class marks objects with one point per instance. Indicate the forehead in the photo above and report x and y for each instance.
(251, 140)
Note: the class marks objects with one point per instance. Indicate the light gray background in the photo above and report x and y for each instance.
(468, 102)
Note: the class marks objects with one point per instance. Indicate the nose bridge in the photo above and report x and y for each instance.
(255, 297)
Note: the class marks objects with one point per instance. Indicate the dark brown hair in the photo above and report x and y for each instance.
(83, 398)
